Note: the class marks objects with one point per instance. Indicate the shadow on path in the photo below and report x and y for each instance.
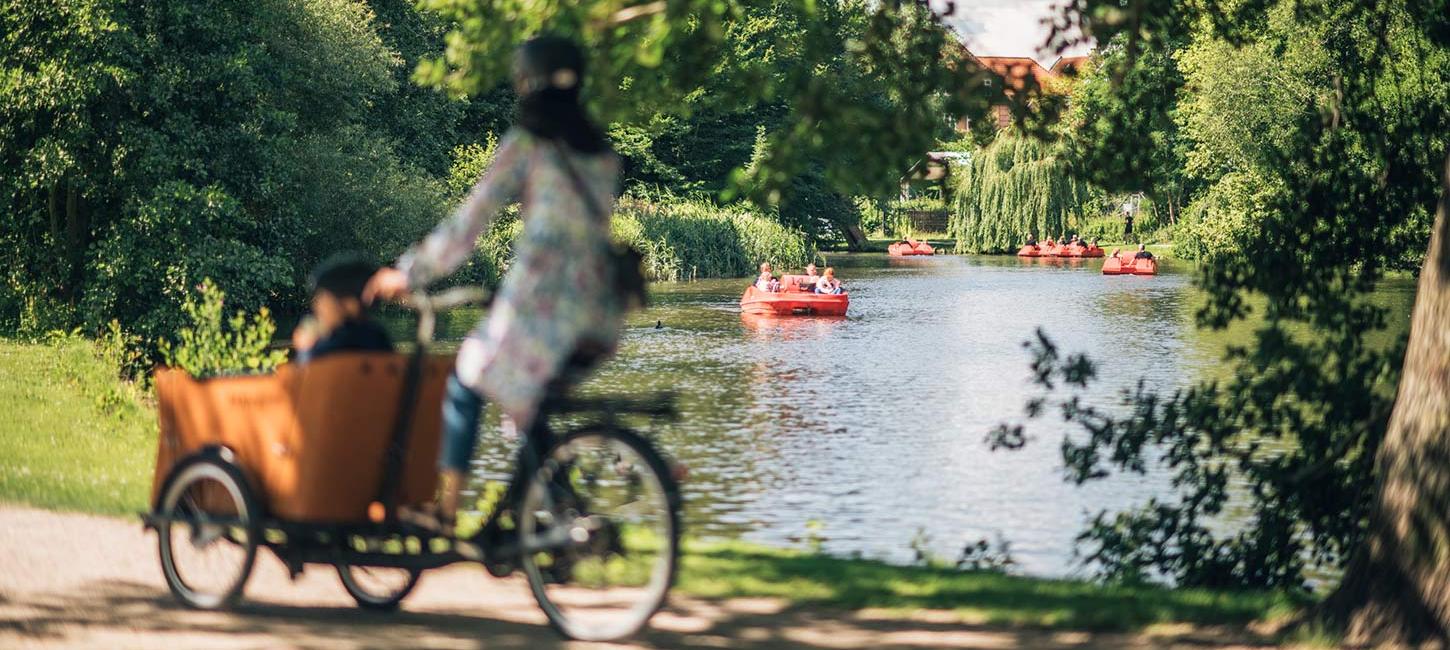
(121, 614)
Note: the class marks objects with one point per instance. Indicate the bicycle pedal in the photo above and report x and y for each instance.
(499, 569)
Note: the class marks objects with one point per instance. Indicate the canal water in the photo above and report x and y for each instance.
(866, 433)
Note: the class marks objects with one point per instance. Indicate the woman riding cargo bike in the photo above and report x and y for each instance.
(591, 516)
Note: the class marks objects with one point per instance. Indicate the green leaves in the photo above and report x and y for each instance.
(1317, 130)
(211, 344)
(865, 87)
(156, 143)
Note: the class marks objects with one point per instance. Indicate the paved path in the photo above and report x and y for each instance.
(69, 580)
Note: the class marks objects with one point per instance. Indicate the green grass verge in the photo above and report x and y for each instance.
(73, 436)
(76, 438)
(735, 569)
(1158, 250)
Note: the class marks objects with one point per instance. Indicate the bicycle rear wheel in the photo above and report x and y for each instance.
(378, 588)
(599, 532)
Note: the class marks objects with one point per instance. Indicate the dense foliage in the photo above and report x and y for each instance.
(1331, 188)
(1015, 187)
(687, 239)
(847, 92)
(148, 145)
(1119, 104)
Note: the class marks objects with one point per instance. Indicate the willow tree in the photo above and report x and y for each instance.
(1016, 187)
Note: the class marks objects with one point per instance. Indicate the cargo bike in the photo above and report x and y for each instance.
(315, 462)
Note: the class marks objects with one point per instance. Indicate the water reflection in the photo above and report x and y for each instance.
(873, 424)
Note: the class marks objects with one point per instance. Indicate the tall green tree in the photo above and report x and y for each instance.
(148, 145)
(861, 89)
(1118, 104)
(1362, 170)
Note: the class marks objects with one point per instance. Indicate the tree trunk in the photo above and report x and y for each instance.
(855, 239)
(1397, 588)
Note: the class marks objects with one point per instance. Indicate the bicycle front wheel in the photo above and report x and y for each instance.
(599, 534)
(208, 532)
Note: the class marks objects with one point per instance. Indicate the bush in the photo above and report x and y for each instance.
(686, 239)
(921, 204)
(143, 264)
(1218, 222)
(208, 346)
(874, 215)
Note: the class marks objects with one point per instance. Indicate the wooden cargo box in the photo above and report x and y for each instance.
(312, 438)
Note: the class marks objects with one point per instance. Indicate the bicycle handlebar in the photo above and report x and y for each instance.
(447, 299)
(428, 306)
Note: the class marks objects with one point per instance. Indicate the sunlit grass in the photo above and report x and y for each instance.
(735, 569)
(72, 435)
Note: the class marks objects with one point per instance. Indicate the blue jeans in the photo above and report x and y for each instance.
(461, 411)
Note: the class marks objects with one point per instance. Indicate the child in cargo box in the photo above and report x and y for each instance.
(339, 319)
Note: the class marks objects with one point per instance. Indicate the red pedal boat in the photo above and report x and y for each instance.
(1031, 251)
(1126, 264)
(1077, 250)
(909, 247)
(793, 299)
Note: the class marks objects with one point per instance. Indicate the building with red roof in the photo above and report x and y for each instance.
(1020, 73)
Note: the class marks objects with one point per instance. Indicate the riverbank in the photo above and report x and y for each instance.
(879, 245)
(684, 239)
(79, 440)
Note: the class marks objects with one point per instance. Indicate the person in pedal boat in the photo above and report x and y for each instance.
(808, 283)
(828, 283)
(1143, 253)
(765, 279)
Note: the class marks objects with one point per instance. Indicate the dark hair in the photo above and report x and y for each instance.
(551, 71)
(343, 275)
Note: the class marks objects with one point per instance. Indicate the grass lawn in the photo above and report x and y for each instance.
(75, 438)
(72, 436)
(734, 569)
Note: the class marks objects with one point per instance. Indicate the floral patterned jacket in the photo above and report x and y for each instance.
(558, 294)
